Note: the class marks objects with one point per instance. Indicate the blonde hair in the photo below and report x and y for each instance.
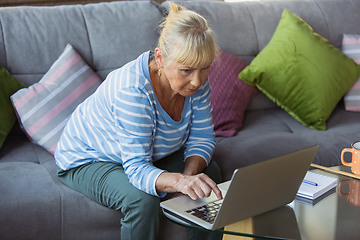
(185, 37)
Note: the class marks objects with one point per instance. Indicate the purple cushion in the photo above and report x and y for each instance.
(230, 96)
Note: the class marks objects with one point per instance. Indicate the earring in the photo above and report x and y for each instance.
(159, 72)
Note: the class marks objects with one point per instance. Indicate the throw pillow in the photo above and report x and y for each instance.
(229, 95)
(302, 72)
(351, 47)
(45, 107)
(8, 86)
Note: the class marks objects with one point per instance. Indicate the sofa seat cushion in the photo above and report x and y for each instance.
(271, 133)
(32, 201)
(28, 176)
(47, 209)
(264, 135)
(18, 148)
(41, 204)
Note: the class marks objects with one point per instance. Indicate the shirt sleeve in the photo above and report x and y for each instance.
(135, 118)
(201, 141)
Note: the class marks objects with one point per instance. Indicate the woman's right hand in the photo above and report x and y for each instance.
(195, 186)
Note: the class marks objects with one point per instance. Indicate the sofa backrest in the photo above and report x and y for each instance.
(245, 28)
(106, 35)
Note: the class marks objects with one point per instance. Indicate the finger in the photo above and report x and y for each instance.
(195, 185)
(218, 193)
(199, 184)
(188, 190)
(206, 188)
(201, 191)
(214, 187)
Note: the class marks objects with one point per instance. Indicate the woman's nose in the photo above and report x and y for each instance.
(196, 80)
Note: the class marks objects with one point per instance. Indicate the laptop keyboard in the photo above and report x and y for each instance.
(206, 212)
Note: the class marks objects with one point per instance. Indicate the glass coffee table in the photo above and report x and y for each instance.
(336, 216)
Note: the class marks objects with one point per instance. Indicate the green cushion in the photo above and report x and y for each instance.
(8, 86)
(302, 72)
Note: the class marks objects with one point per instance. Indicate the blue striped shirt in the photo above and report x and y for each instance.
(123, 122)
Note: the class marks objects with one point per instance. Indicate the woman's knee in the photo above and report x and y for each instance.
(143, 203)
(141, 216)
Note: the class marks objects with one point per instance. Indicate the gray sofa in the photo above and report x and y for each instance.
(34, 204)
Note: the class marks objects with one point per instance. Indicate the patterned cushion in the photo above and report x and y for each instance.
(43, 109)
(229, 95)
(351, 47)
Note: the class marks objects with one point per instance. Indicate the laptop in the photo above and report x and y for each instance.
(252, 190)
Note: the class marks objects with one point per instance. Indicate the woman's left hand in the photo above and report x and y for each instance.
(192, 182)
(195, 186)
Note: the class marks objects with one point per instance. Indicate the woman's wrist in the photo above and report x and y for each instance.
(167, 181)
(194, 165)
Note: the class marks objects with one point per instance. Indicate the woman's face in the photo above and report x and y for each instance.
(183, 79)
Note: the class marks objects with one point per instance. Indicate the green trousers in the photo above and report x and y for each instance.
(107, 184)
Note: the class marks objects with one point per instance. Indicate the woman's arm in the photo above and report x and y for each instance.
(198, 153)
(201, 140)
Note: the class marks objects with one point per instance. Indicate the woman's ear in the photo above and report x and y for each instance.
(158, 57)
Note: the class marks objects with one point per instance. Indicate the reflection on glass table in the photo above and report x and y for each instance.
(335, 216)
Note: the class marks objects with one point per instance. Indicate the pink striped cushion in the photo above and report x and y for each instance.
(43, 109)
(230, 96)
(351, 47)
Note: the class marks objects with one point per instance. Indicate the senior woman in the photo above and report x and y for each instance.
(147, 130)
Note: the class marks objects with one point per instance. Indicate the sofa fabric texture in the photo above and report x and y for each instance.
(34, 203)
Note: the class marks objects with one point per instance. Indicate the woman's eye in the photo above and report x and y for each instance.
(185, 71)
(205, 69)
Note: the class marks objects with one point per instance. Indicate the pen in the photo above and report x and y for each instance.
(310, 182)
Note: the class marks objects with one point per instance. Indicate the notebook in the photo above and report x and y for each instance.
(314, 185)
(252, 190)
(313, 202)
